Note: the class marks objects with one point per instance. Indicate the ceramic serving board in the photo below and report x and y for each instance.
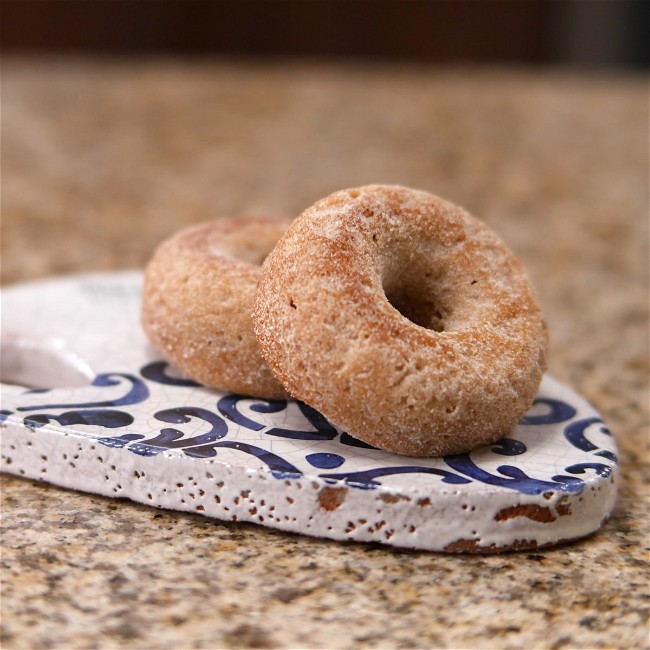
(88, 405)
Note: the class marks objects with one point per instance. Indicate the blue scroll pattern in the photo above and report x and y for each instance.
(328, 450)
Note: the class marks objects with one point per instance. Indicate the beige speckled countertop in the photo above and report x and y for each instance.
(103, 160)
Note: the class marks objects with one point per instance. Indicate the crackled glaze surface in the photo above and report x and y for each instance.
(137, 430)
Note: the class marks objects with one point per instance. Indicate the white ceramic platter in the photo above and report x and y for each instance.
(104, 415)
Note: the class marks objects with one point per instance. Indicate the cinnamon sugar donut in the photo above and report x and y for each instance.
(197, 301)
(403, 319)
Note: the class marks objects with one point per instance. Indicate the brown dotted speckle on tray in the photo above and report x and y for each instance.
(330, 498)
(563, 508)
(388, 497)
(531, 511)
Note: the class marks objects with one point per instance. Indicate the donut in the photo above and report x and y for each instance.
(197, 300)
(403, 319)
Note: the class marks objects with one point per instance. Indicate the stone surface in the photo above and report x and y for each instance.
(103, 160)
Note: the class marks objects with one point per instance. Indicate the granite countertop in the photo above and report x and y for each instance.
(102, 160)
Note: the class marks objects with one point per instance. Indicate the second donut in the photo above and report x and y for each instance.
(197, 299)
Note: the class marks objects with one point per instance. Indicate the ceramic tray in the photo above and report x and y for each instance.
(88, 405)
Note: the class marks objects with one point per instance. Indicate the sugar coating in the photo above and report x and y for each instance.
(403, 319)
(197, 300)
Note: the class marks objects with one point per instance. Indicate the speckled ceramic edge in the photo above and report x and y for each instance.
(127, 426)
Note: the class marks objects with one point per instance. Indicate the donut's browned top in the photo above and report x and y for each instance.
(197, 301)
(403, 319)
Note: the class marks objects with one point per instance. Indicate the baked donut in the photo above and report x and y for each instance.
(403, 319)
(197, 300)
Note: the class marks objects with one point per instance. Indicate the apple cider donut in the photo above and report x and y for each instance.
(197, 299)
(403, 319)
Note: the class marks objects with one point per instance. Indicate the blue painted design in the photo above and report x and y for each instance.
(347, 439)
(508, 447)
(558, 412)
(511, 477)
(269, 406)
(325, 461)
(575, 433)
(324, 430)
(205, 445)
(366, 480)
(120, 441)
(170, 438)
(280, 468)
(227, 406)
(580, 468)
(92, 417)
(571, 484)
(228, 418)
(609, 455)
(183, 414)
(157, 372)
(138, 392)
(318, 421)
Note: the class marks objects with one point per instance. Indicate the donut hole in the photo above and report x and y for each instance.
(415, 304)
(416, 283)
(251, 253)
(250, 243)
